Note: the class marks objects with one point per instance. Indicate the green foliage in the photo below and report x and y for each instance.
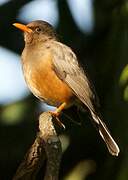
(124, 82)
(12, 114)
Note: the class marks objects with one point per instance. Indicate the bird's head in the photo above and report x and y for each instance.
(36, 31)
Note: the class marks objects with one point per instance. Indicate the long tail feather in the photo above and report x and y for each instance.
(105, 134)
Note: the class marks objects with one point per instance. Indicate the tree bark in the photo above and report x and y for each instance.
(46, 148)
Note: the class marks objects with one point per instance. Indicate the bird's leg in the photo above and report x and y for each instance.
(59, 109)
(57, 112)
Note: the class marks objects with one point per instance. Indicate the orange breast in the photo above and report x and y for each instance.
(44, 83)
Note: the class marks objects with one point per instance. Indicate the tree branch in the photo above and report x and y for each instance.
(47, 147)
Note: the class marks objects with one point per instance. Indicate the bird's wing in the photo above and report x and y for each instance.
(67, 68)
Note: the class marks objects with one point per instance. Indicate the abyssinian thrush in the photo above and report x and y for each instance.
(54, 75)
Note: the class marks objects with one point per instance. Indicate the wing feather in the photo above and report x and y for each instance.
(67, 68)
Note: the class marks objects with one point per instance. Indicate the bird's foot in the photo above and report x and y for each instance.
(55, 115)
(57, 112)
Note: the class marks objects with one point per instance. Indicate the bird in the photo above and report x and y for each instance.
(54, 75)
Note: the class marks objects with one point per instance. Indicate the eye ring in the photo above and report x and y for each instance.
(38, 29)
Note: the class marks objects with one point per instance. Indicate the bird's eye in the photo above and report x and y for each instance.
(38, 29)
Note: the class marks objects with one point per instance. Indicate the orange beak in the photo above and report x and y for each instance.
(22, 27)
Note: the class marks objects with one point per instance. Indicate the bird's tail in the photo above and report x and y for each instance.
(105, 134)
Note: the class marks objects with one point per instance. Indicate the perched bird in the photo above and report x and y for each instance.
(54, 75)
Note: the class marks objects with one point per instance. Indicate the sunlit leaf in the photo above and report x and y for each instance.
(126, 93)
(81, 170)
(12, 114)
(124, 76)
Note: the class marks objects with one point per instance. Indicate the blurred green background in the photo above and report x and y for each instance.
(97, 31)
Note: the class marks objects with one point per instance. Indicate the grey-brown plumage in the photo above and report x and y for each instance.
(68, 69)
(41, 44)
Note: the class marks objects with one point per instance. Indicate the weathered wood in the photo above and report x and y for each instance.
(47, 147)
